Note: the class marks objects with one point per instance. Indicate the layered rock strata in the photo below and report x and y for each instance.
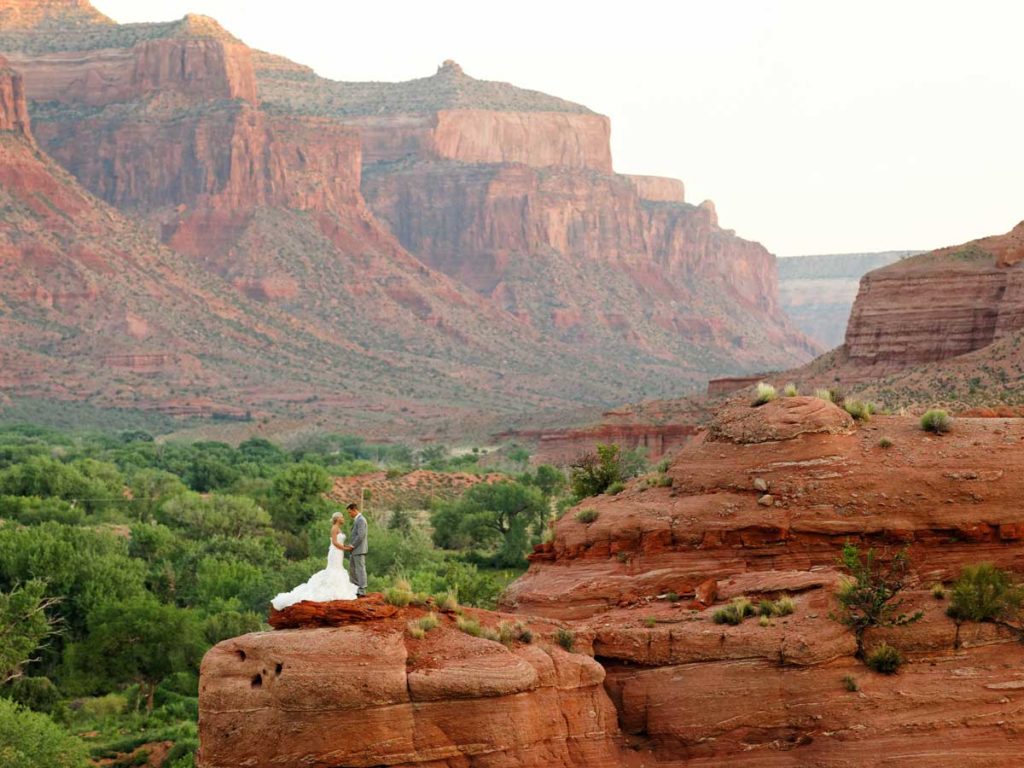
(938, 305)
(363, 694)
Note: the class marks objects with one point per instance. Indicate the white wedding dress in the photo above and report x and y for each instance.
(332, 583)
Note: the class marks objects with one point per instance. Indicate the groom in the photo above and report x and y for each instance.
(357, 550)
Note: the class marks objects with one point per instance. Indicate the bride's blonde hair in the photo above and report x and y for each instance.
(336, 517)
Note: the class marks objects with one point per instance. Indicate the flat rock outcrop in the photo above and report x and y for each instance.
(369, 694)
(780, 419)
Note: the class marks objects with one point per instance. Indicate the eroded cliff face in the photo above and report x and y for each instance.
(575, 253)
(366, 693)
(759, 507)
(938, 305)
(13, 107)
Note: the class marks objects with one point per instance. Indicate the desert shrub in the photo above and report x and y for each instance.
(592, 473)
(983, 593)
(938, 591)
(616, 488)
(790, 390)
(416, 631)
(487, 633)
(469, 626)
(506, 632)
(823, 394)
(784, 606)
(587, 516)
(429, 622)
(936, 421)
(735, 613)
(672, 597)
(885, 442)
(565, 638)
(523, 633)
(764, 393)
(449, 602)
(860, 410)
(870, 597)
(884, 659)
(764, 621)
(663, 466)
(398, 597)
(850, 684)
(650, 622)
(766, 608)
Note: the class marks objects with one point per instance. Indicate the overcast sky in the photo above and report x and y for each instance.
(815, 126)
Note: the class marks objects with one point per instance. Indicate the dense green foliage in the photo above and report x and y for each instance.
(870, 597)
(123, 559)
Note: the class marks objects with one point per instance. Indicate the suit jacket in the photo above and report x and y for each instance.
(358, 539)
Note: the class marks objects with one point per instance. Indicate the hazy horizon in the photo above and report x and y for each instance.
(815, 128)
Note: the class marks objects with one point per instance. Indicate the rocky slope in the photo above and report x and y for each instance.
(759, 506)
(817, 292)
(82, 289)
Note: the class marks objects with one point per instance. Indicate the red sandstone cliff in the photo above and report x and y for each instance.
(499, 260)
(939, 305)
(363, 694)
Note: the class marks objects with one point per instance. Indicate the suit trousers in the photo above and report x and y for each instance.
(357, 571)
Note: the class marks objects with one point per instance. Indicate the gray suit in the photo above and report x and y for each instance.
(357, 557)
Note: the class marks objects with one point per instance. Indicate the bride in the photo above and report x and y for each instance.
(332, 583)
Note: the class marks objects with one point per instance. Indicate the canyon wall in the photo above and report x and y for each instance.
(13, 107)
(818, 292)
(938, 305)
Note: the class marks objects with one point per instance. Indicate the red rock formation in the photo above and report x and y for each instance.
(767, 519)
(372, 695)
(13, 109)
(938, 305)
(658, 189)
(563, 446)
(729, 384)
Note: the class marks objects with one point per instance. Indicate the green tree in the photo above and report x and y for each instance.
(137, 641)
(297, 495)
(486, 513)
(214, 515)
(33, 740)
(151, 487)
(550, 480)
(24, 624)
(870, 596)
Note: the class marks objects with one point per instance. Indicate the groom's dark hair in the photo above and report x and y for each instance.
(353, 505)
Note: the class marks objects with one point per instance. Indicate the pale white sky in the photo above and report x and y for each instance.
(816, 126)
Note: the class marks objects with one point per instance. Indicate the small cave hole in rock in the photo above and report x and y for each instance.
(241, 655)
(257, 681)
(278, 668)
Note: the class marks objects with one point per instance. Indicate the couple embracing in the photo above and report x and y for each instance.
(334, 582)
